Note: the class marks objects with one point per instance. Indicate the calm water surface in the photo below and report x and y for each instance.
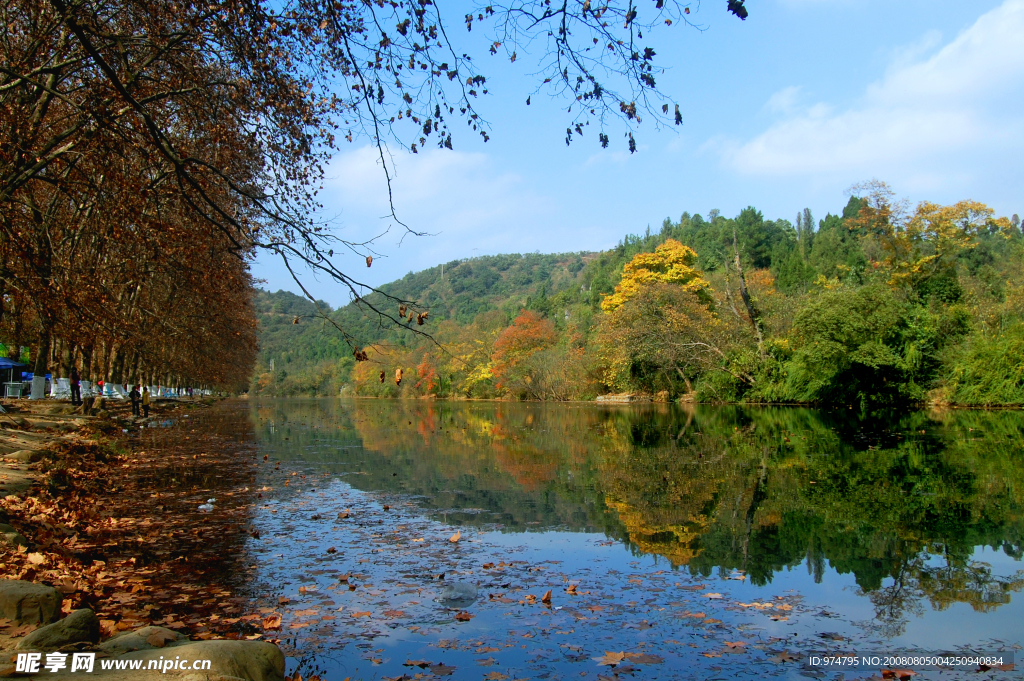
(885, 535)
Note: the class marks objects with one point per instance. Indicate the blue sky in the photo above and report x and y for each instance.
(784, 110)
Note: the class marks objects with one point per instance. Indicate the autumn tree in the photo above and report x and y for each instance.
(919, 246)
(664, 338)
(528, 334)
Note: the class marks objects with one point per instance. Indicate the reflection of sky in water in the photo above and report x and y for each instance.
(630, 473)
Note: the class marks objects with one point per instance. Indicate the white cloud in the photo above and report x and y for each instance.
(784, 101)
(963, 100)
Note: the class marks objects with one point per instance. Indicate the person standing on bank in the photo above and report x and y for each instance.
(134, 397)
(145, 401)
(76, 390)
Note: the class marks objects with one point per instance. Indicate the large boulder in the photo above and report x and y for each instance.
(249, 660)
(81, 625)
(12, 536)
(144, 638)
(29, 603)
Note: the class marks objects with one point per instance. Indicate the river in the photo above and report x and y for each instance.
(421, 537)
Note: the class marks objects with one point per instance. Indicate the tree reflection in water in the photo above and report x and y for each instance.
(901, 502)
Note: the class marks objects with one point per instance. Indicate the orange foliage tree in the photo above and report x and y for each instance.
(528, 334)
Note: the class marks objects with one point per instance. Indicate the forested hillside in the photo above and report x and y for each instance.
(876, 304)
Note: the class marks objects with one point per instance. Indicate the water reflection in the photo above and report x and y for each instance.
(902, 505)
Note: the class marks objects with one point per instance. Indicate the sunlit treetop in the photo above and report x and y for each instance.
(670, 263)
(916, 243)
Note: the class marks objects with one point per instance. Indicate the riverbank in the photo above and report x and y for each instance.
(106, 511)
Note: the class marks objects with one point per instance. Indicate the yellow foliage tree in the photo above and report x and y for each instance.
(917, 243)
(670, 263)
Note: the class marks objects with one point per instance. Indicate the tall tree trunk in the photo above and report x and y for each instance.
(39, 366)
(117, 367)
(755, 316)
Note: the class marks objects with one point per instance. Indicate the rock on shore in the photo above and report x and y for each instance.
(80, 626)
(28, 603)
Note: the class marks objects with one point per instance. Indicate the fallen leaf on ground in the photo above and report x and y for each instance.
(160, 639)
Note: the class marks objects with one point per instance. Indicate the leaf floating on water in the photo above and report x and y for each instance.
(455, 537)
(272, 622)
(785, 656)
(416, 663)
(610, 659)
(736, 644)
(644, 658)
(464, 616)
(712, 595)
(546, 598)
(897, 673)
(394, 613)
(571, 589)
(441, 669)
(495, 676)
(361, 614)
